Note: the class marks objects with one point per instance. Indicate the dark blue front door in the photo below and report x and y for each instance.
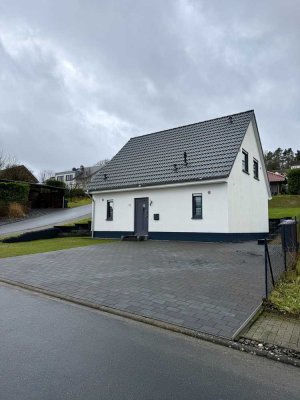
(141, 206)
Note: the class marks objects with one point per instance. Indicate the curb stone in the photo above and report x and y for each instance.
(271, 348)
(160, 324)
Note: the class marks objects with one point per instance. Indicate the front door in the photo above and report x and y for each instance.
(141, 216)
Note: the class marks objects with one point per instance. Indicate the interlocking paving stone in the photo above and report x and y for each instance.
(209, 287)
(276, 329)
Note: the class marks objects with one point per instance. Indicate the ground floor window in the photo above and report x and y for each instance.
(197, 206)
(110, 210)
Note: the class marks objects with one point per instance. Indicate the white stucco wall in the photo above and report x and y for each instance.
(174, 205)
(248, 197)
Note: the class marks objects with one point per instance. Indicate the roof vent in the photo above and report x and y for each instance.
(105, 177)
(230, 118)
(175, 168)
(185, 158)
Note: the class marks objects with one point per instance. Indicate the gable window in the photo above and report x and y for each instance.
(245, 161)
(197, 206)
(255, 168)
(110, 210)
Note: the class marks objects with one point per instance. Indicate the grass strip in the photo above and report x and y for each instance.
(77, 202)
(46, 245)
(286, 294)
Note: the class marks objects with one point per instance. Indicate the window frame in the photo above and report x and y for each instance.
(194, 215)
(245, 161)
(255, 169)
(60, 178)
(69, 177)
(109, 210)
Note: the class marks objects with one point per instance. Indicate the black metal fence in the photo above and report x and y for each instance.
(280, 252)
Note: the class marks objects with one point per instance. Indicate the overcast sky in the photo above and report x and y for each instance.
(78, 78)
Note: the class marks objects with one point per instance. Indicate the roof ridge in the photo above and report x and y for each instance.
(194, 123)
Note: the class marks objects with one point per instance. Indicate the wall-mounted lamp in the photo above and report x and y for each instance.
(151, 202)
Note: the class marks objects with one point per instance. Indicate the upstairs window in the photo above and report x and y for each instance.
(245, 161)
(255, 168)
(110, 210)
(69, 177)
(60, 178)
(197, 206)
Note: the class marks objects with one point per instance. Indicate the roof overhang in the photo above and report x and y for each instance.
(164, 186)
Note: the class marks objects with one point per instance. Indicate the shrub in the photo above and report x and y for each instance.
(75, 192)
(294, 181)
(11, 192)
(55, 183)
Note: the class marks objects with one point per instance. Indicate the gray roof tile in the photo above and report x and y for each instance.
(211, 148)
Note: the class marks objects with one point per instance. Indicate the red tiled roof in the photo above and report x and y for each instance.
(276, 177)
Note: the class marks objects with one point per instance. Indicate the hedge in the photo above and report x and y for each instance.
(55, 183)
(14, 192)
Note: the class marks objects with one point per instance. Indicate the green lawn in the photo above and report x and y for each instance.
(77, 202)
(284, 206)
(77, 221)
(286, 295)
(43, 246)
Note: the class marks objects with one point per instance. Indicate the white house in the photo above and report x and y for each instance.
(67, 177)
(295, 165)
(205, 181)
(77, 177)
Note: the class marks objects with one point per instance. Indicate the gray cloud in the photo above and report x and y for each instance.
(77, 79)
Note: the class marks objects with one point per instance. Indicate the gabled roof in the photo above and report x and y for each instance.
(18, 173)
(211, 148)
(276, 177)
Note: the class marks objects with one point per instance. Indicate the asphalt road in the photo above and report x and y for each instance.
(55, 350)
(53, 218)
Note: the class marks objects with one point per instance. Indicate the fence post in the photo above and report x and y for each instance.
(266, 269)
(296, 234)
(284, 248)
(270, 265)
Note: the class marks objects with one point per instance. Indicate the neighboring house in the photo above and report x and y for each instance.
(18, 173)
(83, 175)
(276, 181)
(77, 177)
(205, 181)
(67, 177)
(295, 165)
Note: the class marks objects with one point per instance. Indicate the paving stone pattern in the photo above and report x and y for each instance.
(209, 287)
(276, 329)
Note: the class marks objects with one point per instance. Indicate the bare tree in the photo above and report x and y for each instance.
(83, 174)
(7, 160)
(103, 162)
(45, 174)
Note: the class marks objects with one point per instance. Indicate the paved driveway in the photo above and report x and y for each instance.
(209, 287)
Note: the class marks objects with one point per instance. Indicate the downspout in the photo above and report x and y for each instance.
(93, 212)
